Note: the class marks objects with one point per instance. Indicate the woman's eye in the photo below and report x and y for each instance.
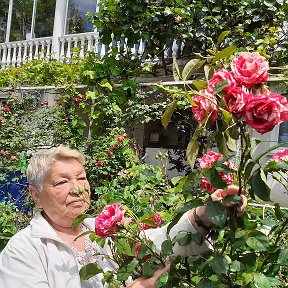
(61, 182)
(82, 178)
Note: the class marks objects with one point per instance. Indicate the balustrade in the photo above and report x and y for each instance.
(70, 46)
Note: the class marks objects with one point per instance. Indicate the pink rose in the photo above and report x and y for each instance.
(204, 106)
(219, 76)
(206, 161)
(264, 112)
(209, 158)
(250, 69)
(236, 99)
(157, 219)
(106, 223)
(281, 155)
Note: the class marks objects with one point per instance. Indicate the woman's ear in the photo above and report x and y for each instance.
(35, 195)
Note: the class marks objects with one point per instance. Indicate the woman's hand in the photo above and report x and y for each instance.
(220, 194)
(149, 282)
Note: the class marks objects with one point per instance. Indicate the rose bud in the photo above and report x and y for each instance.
(2, 152)
(100, 164)
(120, 139)
(6, 109)
(13, 158)
(115, 147)
(109, 153)
(77, 100)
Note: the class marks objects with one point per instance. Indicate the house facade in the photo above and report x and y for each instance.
(57, 29)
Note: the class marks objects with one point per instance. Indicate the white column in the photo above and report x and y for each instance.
(8, 29)
(59, 26)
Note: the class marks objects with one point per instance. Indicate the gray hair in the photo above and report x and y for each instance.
(41, 163)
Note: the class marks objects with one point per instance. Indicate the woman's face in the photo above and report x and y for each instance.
(65, 193)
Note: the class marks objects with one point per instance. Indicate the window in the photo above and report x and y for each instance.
(44, 24)
(283, 133)
(4, 4)
(21, 19)
(76, 16)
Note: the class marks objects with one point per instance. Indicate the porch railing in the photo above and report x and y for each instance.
(68, 46)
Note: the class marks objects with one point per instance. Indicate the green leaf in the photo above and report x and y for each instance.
(214, 178)
(219, 264)
(262, 281)
(197, 238)
(216, 213)
(148, 269)
(283, 257)
(232, 199)
(200, 84)
(223, 54)
(206, 283)
(167, 248)
(162, 280)
(259, 186)
(127, 270)
(166, 117)
(176, 71)
(191, 67)
(78, 220)
(192, 151)
(276, 166)
(221, 143)
(220, 86)
(182, 238)
(89, 271)
(236, 266)
(106, 84)
(99, 240)
(257, 241)
(124, 247)
(222, 36)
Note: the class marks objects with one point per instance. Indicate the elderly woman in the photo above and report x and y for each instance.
(48, 253)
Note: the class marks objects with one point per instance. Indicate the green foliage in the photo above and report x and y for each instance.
(11, 221)
(195, 24)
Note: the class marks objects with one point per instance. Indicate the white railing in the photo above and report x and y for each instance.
(69, 46)
(20, 52)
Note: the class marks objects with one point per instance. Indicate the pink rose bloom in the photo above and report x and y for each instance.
(205, 106)
(219, 76)
(236, 99)
(157, 219)
(209, 158)
(264, 112)
(281, 155)
(106, 222)
(206, 161)
(228, 178)
(250, 69)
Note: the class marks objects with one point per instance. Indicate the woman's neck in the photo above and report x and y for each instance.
(63, 228)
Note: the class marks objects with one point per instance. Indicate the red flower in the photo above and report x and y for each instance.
(120, 139)
(264, 112)
(157, 219)
(6, 109)
(106, 223)
(2, 152)
(250, 69)
(209, 158)
(206, 161)
(219, 76)
(110, 153)
(1, 119)
(236, 99)
(115, 147)
(13, 158)
(205, 106)
(100, 164)
(281, 155)
(77, 100)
